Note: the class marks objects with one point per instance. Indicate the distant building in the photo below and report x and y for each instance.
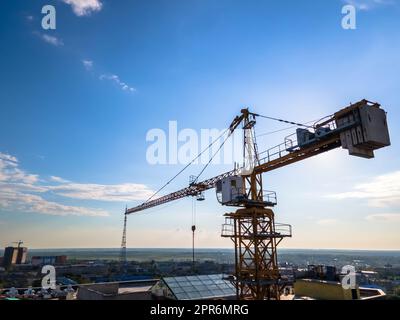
(322, 272)
(14, 255)
(366, 278)
(52, 260)
(313, 289)
(130, 290)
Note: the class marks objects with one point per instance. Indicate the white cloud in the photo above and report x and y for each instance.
(22, 187)
(51, 40)
(20, 191)
(381, 191)
(118, 81)
(84, 7)
(58, 179)
(366, 5)
(7, 157)
(121, 192)
(327, 222)
(384, 217)
(9, 171)
(24, 202)
(88, 64)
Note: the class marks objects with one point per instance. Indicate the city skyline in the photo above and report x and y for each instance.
(79, 101)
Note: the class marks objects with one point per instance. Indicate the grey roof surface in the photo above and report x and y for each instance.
(200, 287)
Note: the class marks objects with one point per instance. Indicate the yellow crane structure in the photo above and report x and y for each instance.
(360, 128)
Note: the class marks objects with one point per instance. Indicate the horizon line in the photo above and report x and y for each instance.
(202, 248)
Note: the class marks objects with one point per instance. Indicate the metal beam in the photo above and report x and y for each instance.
(192, 190)
(195, 189)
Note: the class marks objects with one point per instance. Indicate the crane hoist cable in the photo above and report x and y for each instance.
(212, 143)
(190, 163)
(284, 121)
(276, 131)
(212, 157)
(193, 229)
(289, 128)
(193, 211)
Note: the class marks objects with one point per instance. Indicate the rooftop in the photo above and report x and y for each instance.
(200, 287)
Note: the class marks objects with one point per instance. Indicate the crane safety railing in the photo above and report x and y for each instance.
(280, 150)
(281, 230)
(238, 198)
(290, 143)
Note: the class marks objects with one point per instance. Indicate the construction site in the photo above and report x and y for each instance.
(249, 222)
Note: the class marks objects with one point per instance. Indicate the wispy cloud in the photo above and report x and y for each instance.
(84, 7)
(51, 39)
(8, 158)
(119, 192)
(381, 191)
(24, 202)
(366, 5)
(88, 64)
(25, 192)
(58, 179)
(384, 217)
(118, 81)
(9, 171)
(21, 187)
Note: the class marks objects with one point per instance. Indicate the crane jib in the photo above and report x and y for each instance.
(360, 128)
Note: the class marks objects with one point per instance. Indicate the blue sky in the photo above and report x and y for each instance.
(76, 104)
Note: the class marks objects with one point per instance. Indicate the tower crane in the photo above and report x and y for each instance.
(360, 128)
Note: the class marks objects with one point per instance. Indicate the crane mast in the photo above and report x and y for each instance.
(360, 128)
